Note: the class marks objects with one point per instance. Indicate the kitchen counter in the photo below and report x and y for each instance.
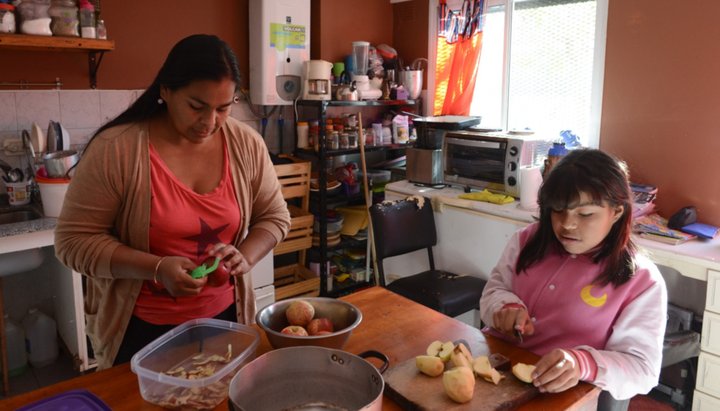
(391, 324)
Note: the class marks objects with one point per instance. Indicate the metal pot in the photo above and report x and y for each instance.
(59, 163)
(347, 92)
(309, 378)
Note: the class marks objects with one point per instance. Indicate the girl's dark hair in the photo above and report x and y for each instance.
(197, 57)
(603, 178)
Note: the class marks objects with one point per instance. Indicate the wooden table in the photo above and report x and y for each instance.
(398, 327)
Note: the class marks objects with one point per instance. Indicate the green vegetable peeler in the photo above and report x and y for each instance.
(203, 270)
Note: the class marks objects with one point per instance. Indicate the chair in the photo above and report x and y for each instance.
(404, 226)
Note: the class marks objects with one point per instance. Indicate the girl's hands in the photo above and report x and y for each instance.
(173, 274)
(234, 260)
(513, 319)
(556, 372)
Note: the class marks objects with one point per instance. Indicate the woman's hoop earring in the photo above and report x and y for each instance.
(236, 99)
(160, 101)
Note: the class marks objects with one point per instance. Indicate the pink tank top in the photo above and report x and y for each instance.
(185, 223)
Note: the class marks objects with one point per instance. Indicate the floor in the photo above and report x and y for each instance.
(34, 378)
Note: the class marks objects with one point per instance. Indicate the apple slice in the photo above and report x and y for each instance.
(461, 356)
(459, 384)
(494, 376)
(481, 366)
(434, 348)
(523, 372)
(446, 351)
(430, 365)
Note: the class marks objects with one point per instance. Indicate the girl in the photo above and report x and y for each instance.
(573, 289)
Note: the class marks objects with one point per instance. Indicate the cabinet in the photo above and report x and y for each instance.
(93, 47)
(707, 388)
(323, 159)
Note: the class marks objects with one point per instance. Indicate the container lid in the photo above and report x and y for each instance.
(76, 400)
(361, 43)
(8, 7)
(447, 122)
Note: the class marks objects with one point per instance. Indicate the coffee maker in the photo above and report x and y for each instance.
(316, 80)
(424, 161)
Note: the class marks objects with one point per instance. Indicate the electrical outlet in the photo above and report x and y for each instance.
(13, 146)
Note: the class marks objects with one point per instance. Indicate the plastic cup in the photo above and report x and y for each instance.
(360, 57)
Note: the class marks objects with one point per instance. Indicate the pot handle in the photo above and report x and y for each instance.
(380, 356)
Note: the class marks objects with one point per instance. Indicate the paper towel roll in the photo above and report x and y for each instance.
(530, 181)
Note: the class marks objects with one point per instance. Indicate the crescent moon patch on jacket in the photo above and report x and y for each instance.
(591, 300)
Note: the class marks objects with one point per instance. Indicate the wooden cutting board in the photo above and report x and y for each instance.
(413, 390)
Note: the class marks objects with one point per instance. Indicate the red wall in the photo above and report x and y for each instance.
(661, 100)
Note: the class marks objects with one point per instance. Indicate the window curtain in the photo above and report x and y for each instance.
(459, 42)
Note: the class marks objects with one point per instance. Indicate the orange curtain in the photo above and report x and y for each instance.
(457, 62)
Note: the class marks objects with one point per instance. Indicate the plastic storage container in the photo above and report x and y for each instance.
(157, 365)
(64, 15)
(40, 338)
(16, 355)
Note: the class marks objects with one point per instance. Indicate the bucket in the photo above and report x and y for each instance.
(52, 192)
(18, 193)
(40, 338)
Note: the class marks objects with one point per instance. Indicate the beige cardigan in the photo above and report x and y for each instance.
(108, 204)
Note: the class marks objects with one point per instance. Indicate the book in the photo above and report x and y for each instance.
(665, 239)
(701, 230)
(653, 226)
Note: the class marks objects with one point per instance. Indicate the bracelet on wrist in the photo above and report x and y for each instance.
(157, 267)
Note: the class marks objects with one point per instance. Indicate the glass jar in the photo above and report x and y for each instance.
(344, 141)
(64, 15)
(333, 142)
(7, 18)
(34, 17)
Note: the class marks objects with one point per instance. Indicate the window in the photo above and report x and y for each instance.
(541, 66)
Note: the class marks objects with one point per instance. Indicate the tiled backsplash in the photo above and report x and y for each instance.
(82, 112)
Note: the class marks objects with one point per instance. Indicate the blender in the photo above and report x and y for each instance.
(360, 69)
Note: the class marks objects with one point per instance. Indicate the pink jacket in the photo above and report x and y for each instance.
(622, 328)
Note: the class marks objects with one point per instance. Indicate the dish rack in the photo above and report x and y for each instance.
(296, 279)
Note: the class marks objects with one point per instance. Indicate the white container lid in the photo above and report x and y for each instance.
(361, 43)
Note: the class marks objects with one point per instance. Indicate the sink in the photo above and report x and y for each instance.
(14, 215)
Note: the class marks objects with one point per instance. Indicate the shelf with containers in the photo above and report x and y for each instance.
(326, 256)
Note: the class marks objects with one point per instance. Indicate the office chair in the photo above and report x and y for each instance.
(404, 226)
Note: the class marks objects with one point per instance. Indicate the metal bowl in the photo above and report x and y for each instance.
(59, 163)
(344, 316)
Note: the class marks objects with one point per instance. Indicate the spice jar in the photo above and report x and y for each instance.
(302, 134)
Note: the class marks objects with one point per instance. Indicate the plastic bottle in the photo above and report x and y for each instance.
(302, 134)
(101, 30)
(40, 338)
(7, 18)
(87, 20)
(556, 152)
(16, 355)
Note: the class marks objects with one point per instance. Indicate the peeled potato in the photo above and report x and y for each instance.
(523, 372)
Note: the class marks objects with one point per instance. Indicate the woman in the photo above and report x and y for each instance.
(573, 289)
(171, 181)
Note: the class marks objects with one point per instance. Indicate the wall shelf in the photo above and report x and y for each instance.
(93, 47)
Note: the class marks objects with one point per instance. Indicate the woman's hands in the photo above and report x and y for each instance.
(233, 259)
(556, 371)
(172, 272)
(514, 321)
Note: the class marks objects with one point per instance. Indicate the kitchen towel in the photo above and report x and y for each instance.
(530, 180)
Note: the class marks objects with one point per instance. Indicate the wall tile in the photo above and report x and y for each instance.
(8, 116)
(36, 106)
(80, 108)
(114, 102)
